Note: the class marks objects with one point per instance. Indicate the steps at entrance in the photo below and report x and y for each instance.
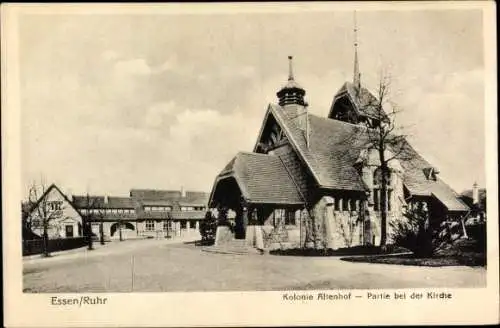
(234, 246)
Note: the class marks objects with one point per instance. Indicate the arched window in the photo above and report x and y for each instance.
(377, 194)
(377, 178)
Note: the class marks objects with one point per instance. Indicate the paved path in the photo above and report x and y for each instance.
(109, 248)
(159, 265)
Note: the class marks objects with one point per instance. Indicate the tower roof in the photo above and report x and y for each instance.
(291, 92)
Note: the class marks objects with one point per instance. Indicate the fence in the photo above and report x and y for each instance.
(35, 246)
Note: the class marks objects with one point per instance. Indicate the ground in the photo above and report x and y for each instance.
(160, 265)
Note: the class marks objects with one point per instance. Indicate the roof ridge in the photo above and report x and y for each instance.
(251, 153)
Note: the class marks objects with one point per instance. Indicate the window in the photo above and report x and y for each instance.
(377, 178)
(377, 195)
(377, 200)
(150, 225)
(353, 204)
(278, 216)
(290, 218)
(337, 204)
(183, 224)
(55, 206)
(345, 202)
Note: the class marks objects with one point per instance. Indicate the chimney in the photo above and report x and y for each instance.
(475, 193)
(183, 192)
(105, 199)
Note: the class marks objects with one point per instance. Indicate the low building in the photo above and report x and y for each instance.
(146, 213)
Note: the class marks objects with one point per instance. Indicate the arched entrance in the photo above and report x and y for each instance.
(115, 227)
(228, 196)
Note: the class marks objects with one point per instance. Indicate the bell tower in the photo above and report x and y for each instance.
(292, 93)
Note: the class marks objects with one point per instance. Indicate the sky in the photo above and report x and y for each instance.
(114, 102)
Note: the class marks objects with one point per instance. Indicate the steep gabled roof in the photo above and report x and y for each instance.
(262, 179)
(419, 184)
(332, 151)
(363, 101)
(47, 191)
(334, 147)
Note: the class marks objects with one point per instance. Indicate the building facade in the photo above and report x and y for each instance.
(54, 210)
(315, 181)
(145, 213)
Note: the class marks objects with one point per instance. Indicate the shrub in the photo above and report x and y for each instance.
(208, 229)
(415, 233)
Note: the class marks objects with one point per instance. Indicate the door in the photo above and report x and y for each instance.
(69, 231)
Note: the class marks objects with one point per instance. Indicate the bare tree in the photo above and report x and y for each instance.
(92, 211)
(87, 217)
(383, 135)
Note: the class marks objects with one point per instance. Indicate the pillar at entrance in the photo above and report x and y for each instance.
(197, 225)
(244, 220)
(178, 228)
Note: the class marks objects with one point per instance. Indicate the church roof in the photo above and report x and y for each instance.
(334, 147)
(262, 179)
(363, 100)
(332, 150)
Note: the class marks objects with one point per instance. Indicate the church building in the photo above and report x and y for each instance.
(308, 170)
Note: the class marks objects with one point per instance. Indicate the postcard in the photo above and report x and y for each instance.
(249, 164)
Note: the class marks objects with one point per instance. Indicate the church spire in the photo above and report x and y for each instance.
(290, 68)
(357, 74)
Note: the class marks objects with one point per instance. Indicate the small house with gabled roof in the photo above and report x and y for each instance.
(57, 212)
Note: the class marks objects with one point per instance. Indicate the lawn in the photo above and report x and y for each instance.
(461, 253)
(473, 259)
(164, 267)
